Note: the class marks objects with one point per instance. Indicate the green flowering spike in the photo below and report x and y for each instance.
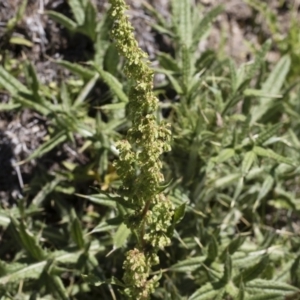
(139, 165)
(136, 277)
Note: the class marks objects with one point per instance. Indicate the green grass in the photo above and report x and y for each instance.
(234, 164)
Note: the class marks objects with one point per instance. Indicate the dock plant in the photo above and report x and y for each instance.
(139, 164)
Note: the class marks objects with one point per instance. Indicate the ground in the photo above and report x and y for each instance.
(22, 133)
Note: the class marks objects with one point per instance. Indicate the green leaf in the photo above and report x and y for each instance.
(29, 100)
(160, 18)
(33, 81)
(185, 32)
(104, 198)
(65, 97)
(248, 161)
(227, 180)
(267, 134)
(9, 106)
(111, 60)
(270, 287)
(233, 76)
(49, 145)
(252, 272)
(207, 292)
(121, 235)
(295, 271)
(201, 28)
(259, 59)
(77, 69)
(12, 23)
(62, 19)
(108, 225)
(238, 190)
(264, 296)
(241, 294)
(27, 240)
(77, 10)
(213, 249)
(186, 68)
(45, 191)
(231, 290)
(4, 219)
(271, 154)
(179, 213)
(57, 286)
(162, 30)
(174, 82)
(113, 106)
(76, 231)
(18, 40)
(272, 86)
(167, 62)
(34, 270)
(10, 83)
(259, 93)
(280, 203)
(233, 246)
(224, 155)
(90, 23)
(113, 83)
(264, 190)
(227, 269)
(278, 75)
(100, 199)
(231, 102)
(188, 265)
(86, 90)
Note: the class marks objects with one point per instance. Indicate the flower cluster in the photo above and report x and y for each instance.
(139, 165)
(137, 269)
